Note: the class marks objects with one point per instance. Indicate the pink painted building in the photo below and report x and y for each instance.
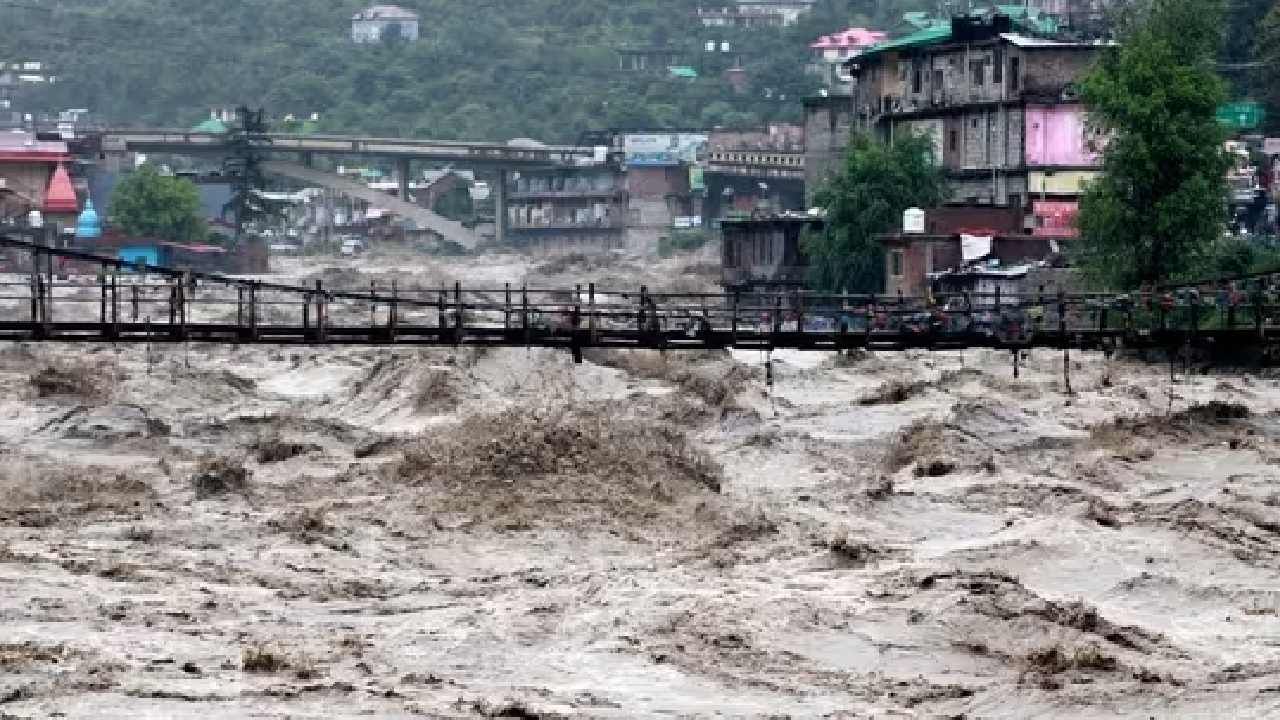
(831, 51)
(1062, 156)
(846, 43)
(1058, 136)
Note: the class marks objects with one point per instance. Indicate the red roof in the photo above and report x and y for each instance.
(60, 198)
(24, 147)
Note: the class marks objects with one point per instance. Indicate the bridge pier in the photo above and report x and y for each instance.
(403, 169)
(500, 208)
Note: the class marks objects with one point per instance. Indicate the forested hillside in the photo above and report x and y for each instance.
(493, 69)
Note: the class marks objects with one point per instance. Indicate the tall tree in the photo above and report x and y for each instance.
(148, 204)
(1267, 52)
(867, 198)
(1160, 206)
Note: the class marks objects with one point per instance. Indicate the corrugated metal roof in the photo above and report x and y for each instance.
(932, 35)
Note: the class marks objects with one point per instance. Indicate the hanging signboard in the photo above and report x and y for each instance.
(663, 149)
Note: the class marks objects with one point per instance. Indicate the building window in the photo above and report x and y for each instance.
(1015, 65)
(917, 80)
(895, 263)
(975, 69)
(997, 67)
(1015, 200)
(954, 141)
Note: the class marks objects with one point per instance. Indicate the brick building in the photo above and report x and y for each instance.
(971, 243)
(1000, 107)
(828, 122)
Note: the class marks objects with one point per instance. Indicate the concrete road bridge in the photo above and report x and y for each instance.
(293, 156)
(49, 295)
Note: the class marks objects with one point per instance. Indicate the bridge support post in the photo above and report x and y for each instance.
(321, 313)
(182, 306)
(403, 168)
(506, 308)
(575, 333)
(640, 319)
(461, 312)
(393, 315)
(115, 303)
(35, 289)
(1257, 311)
(591, 311)
(102, 304)
(733, 321)
(253, 311)
(500, 208)
(173, 302)
(1066, 343)
(799, 312)
(524, 312)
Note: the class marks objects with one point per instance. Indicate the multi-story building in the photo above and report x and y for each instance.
(1000, 108)
(748, 171)
(34, 176)
(828, 123)
(650, 59)
(569, 208)
(754, 13)
(1077, 18)
(831, 52)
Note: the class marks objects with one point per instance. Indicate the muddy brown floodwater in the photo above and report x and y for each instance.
(213, 532)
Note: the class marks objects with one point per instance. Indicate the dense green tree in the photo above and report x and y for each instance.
(148, 204)
(547, 69)
(1267, 77)
(1160, 206)
(865, 199)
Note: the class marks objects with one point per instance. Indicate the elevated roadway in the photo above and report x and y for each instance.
(466, 154)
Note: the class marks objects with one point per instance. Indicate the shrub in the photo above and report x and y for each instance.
(262, 659)
(216, 476)
(72, 379)
(918, 441)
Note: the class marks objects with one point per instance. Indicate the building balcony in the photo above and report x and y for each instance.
(559, 226)
(566, 194)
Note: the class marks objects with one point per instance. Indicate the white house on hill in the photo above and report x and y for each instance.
(375, 24)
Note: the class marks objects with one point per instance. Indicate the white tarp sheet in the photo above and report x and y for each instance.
(974, 247)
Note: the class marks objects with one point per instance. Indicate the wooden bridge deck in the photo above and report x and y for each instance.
(93, 299)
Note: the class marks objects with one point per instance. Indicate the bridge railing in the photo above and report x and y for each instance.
(486, 151)
(53, 294)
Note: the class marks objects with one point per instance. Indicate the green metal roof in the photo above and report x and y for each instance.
(683, 71)
(932, 35)
(212, 125)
